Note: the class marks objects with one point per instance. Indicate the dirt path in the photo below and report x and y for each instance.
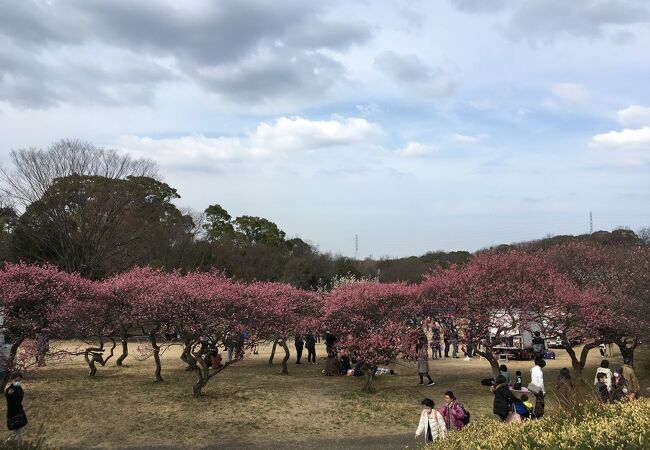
(394, 442)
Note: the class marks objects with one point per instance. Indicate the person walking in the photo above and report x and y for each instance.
(16, 417)
(503, 398)
(423, 361)
(565, 389)
(454, 345)
(431, 424)
(536, 386)
(299, 343)
(446, 346)
(453, 412)
(310, 344)
(538, 345)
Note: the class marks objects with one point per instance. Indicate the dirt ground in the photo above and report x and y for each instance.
(250, 405)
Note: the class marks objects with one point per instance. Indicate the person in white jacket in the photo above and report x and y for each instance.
(432, 423)
(604, 368)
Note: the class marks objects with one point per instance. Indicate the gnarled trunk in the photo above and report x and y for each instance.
(275, 343)
(627, 347)
(186, 355)
(156, 353)
(370, 375)
(578, 364)
(489, 356)
(204, 374)
(283, 344)
(125, 350)
(94, 355)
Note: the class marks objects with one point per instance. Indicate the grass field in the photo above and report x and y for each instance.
(250, 402)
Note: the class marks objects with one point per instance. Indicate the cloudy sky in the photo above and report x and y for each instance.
(418, 125)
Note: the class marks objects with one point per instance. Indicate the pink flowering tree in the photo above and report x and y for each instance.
(88, 316)
(371, 321)
(153, 297)
(29, 298)
(620, 278)
(490, 298)
(215, 307)
(279, 311)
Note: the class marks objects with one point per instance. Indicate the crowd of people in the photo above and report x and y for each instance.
(512, 398)
(513, 401)
(617, 386)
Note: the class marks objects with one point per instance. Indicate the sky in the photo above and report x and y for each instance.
(416, 125)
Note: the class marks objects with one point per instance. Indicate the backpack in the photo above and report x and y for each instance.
(466, 418)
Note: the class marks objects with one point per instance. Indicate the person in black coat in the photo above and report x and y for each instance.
(310, 344)
(299, 343)
(16, 417)
(503, 398)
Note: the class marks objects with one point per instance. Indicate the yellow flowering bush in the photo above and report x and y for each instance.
(588, 426)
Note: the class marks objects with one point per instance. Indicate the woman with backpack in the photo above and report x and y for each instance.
(453, 412)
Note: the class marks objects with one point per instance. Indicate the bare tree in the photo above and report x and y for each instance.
(35, 169)
(644, 235)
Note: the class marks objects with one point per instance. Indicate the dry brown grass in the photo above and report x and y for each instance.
(248, 402)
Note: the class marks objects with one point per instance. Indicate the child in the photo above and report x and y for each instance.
(528, 404)
(600, 387)
(518, 381)
(431, 422)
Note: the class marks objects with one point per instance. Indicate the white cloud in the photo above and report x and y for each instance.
(415, 149)
(630, 139)
(287, 135)
(468, 139)
(570, 92)
(634, 115)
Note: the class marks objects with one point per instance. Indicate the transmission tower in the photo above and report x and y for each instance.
(591, 223)
(356, 246)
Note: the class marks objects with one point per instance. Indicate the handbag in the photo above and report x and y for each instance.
(532, 387)
(513, 416)
(16, 422)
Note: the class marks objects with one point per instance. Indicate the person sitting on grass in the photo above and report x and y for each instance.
(432, 424)
(528, 405)
(518, 381)
(503, 398)
(600, 388)
(619, 386)
(604, 368)
(504, 371)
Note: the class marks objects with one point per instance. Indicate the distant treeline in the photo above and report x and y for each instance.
(99, 212)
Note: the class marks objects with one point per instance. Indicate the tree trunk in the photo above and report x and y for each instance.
(578, 364)
(627, 349)
(275, 343)
(369, 377)
(283, 344)
(186, 355)
(156, 353)
(94, 355)
(489, 356)
(125, 350)
(11, 362)
(202, 374)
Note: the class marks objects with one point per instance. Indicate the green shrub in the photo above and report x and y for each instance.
(588, 426)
